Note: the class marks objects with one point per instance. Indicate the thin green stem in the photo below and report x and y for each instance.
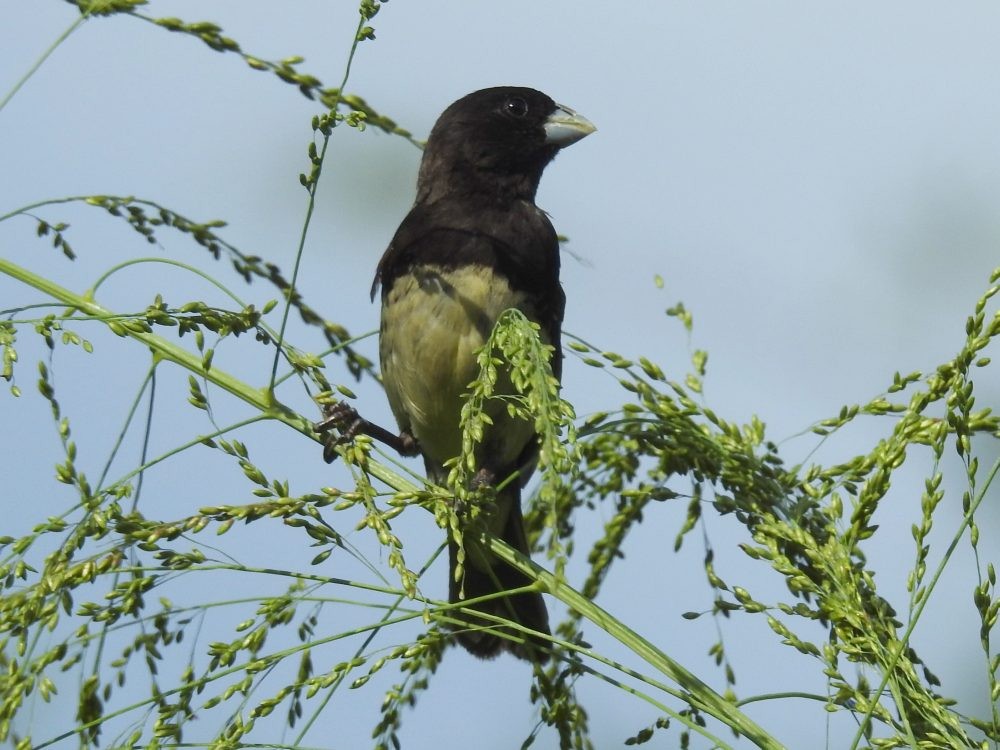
(138, 470)
(40, 204)
(260, 399)
(147, 379)
(161, 347)
(41, 61)
(86, 638)
(465, 607)
(718, 743)
(191, 269)
(393, 607)
(201, 682)
(697, 693)
(169, 262)
(902, 709)
(939, 571)
(323, 354)
(782, 696)
(311, 204)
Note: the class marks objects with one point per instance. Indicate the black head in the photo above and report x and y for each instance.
(496, 142)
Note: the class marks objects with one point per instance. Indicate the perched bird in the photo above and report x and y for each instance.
(473, 245)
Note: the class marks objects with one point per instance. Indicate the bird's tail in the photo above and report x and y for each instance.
(483, 637)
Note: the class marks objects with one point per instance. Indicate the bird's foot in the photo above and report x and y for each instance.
(340, 424)
(344, 419)
(482, 489)
(484, 478)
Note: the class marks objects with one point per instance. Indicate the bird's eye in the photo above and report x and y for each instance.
(516, 107)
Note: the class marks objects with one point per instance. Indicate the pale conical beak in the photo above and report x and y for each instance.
(564, 126)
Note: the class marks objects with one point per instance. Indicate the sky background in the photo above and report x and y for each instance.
(817, 182)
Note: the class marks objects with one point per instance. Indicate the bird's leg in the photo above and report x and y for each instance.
(484, 478)
(343, 418)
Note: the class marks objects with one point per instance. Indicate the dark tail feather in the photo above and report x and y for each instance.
(527, 609)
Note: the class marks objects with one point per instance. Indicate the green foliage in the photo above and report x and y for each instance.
(78, 589)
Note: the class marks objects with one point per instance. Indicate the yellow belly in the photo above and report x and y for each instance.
(433, 323)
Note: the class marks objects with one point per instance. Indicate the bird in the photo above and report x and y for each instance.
(473, 245)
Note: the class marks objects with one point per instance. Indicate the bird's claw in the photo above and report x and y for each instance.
(341, 418)
(484, 478)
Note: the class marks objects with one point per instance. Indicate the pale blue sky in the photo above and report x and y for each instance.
(819, 184)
